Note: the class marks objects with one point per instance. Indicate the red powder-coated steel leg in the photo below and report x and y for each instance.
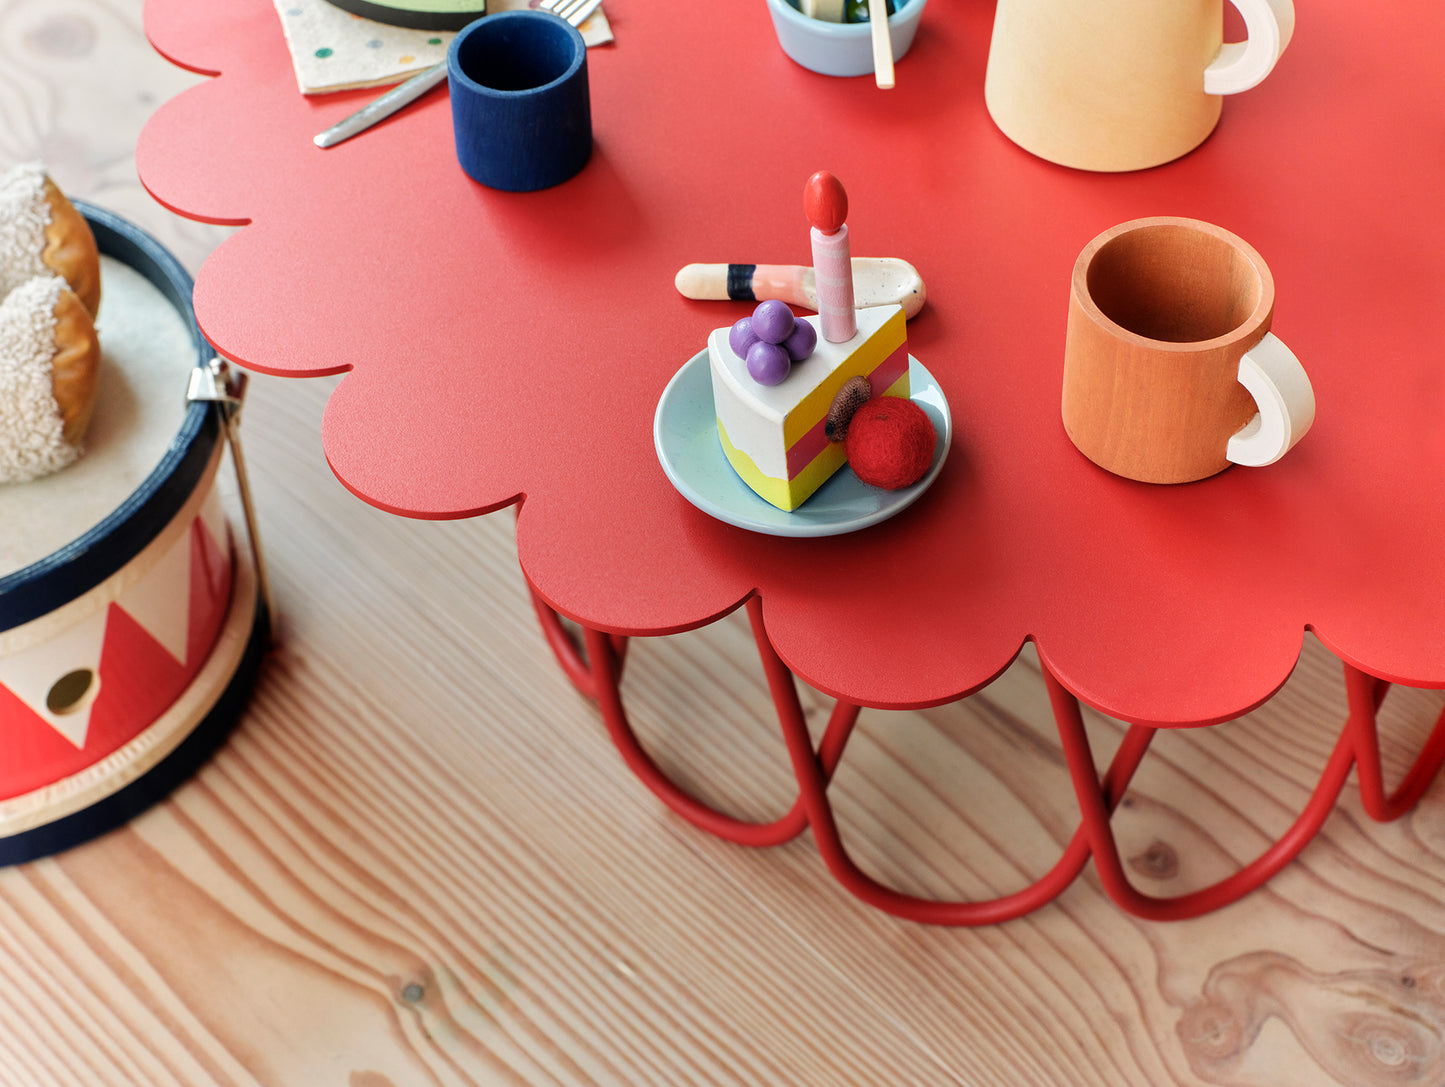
(606, 674)
(814, 770)
(1365, 694)
(599, 676)
(813, 783)
(1105, 849)
(565, 649)
(1357, 741)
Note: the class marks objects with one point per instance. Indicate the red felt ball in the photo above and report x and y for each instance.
(890, 442)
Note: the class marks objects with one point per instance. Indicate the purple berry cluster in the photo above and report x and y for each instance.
(771, 340)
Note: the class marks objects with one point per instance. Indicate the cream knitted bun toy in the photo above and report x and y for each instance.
(49, 353)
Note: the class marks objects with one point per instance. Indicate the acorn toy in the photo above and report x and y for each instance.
(49, 350)
(856, 392)
(41, 233)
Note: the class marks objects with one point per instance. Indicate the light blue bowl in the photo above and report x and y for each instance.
(842, 49)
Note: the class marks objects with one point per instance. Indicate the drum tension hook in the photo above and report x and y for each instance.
(217, 383)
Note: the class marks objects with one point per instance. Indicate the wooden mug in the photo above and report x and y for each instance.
(521, 108)
(1116, 85)
(1171, 372)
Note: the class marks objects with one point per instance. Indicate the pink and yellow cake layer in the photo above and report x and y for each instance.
(773, 435)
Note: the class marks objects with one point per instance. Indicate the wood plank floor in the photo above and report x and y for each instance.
(419, 861)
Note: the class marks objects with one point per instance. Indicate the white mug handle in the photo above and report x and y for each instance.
(1286, 402)
(1241, 65)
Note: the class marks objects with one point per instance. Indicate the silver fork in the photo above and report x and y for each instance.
(574, 11)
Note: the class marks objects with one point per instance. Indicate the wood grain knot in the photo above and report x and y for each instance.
(1366, 1028)
(1159, 860)
(369, 1079)
(62, 37)
(1212, 1033)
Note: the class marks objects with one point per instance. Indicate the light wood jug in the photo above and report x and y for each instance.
(1116, 85)
(1171, 373)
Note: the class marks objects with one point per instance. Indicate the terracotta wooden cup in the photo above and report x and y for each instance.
(1171, 373)
(1123, 84)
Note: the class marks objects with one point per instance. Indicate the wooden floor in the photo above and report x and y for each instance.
(419, 861)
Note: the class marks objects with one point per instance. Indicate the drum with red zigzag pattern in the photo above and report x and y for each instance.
(130, 633)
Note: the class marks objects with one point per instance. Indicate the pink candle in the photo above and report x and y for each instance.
(826, 205)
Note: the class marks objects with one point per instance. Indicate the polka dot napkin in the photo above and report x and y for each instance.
(333, 50)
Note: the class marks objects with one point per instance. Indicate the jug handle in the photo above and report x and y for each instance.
(1242, 65)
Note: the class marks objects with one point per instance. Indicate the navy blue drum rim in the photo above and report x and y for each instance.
(106, 547)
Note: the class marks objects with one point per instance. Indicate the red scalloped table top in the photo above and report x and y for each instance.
(515, 345)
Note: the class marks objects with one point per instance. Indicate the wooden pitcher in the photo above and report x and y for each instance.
(1123, 84)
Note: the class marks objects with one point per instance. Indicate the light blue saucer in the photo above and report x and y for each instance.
(684, 431)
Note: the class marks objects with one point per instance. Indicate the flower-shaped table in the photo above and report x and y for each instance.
(510, 349)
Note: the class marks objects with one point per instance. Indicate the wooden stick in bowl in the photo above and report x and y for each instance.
(882, 44)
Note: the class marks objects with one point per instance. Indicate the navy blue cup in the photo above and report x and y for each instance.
(521, 112)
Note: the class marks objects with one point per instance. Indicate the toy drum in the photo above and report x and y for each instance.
(130, 635)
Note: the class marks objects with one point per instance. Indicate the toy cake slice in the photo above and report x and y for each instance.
(774, 435)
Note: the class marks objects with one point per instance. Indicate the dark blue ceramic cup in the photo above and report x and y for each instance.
(521, 112)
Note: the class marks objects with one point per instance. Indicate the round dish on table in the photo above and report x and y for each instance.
(685, 435)
(416, 14)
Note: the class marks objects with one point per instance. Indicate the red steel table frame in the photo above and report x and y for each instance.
(595, 668)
